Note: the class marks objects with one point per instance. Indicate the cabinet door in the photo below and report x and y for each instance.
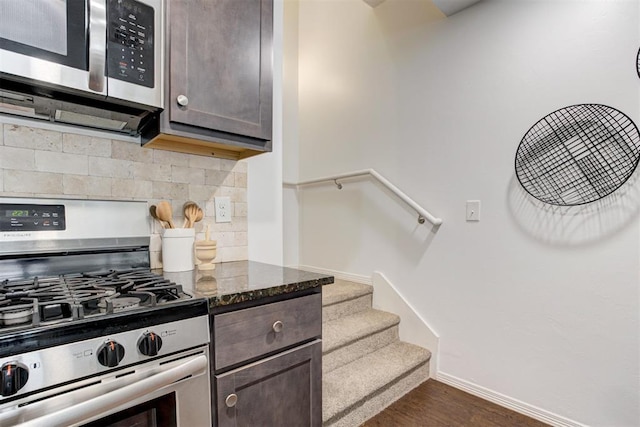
(282, 390)
(221, 61)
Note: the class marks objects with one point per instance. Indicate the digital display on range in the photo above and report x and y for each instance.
(17, 213)
(30, 217)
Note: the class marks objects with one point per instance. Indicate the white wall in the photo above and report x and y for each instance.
(540, 305)
(264, 180)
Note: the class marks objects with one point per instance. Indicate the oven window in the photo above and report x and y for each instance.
(160, 412)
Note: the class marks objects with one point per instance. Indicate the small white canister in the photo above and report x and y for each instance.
(177, 249)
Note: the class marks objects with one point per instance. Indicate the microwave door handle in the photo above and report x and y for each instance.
(97, 44)
(83, 411)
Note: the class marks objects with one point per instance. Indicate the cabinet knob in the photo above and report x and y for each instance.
(277, 326)
(231, 400)
(182, 100)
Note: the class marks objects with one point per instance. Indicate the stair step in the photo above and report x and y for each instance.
(357, 391)
(352, 337)
(343, 298)
(359, 348)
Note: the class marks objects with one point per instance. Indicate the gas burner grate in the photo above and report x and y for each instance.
(76, 296)
(578, 154)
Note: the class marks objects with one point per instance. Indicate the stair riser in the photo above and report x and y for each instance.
(375, 402)
(359, 348)
(346, 308)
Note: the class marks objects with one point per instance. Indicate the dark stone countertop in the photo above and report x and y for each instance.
(240, 281)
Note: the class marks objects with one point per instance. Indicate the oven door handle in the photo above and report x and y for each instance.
(84, 411)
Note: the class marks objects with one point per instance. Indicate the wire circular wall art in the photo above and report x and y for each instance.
(638, 63)
(578, 154)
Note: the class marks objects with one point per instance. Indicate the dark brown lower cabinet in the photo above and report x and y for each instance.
(281, 390)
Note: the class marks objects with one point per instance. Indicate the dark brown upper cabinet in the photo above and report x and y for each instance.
(219, 89)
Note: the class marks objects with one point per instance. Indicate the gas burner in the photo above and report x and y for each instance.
(16, 316)
(16, 311)
(114, 305)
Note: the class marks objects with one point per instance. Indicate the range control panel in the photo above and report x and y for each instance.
(130, 42)
(31, 217)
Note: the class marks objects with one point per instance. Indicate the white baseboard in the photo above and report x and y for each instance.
(337, 274)
(507, 402)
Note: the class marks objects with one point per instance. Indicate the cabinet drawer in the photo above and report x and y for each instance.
(245, 334)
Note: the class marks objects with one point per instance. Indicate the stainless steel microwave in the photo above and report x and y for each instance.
(109, 51)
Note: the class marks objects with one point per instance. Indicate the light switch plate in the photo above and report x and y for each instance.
(223, 209)
(473, 210)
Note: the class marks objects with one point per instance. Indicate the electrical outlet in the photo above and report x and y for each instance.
(473, 210)
(223, 209)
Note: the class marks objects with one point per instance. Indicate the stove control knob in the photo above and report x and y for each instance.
(150, 344)
(14, 377)
(110, 354)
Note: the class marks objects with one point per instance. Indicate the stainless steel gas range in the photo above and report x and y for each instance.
(89, 336)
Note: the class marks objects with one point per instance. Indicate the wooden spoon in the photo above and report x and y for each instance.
(189, 214)
(164, 212)
(154, 215)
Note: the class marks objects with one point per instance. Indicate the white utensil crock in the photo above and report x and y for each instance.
(177, 249)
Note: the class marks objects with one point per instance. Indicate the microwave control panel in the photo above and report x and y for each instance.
(130, 37)
(31, 217)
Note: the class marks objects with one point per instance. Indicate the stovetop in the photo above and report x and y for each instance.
(28, 303)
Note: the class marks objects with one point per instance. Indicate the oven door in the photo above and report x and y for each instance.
(58, 42)
(165, 393)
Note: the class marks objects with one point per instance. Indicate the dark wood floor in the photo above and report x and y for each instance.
(434, 404)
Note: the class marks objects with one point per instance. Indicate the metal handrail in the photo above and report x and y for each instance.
(422, 212)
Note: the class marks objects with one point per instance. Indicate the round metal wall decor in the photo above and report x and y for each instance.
(578, 154)
(638, 62)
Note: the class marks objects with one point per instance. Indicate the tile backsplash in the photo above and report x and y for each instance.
(38, 162)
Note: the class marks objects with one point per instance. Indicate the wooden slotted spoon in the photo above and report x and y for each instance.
(190, 213)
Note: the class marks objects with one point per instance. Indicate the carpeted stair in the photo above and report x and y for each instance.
(365, 367)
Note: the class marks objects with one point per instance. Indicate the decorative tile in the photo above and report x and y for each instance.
(43, 163)
(76, 164)
(232, 253)
(37, 139)
(153, 172)
(170, 191)
(240, 180)
(170, 158)
(17, 158)
(240, 209)
(132, 188)
(187, 175)
(32, 182)
(201, 192)
(204, 162)
(126, 150)
(115, 168)
(219, 178)
(82, 185)
(82, 144)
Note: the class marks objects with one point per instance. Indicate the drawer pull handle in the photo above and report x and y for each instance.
(231, 400)
(277, 326)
